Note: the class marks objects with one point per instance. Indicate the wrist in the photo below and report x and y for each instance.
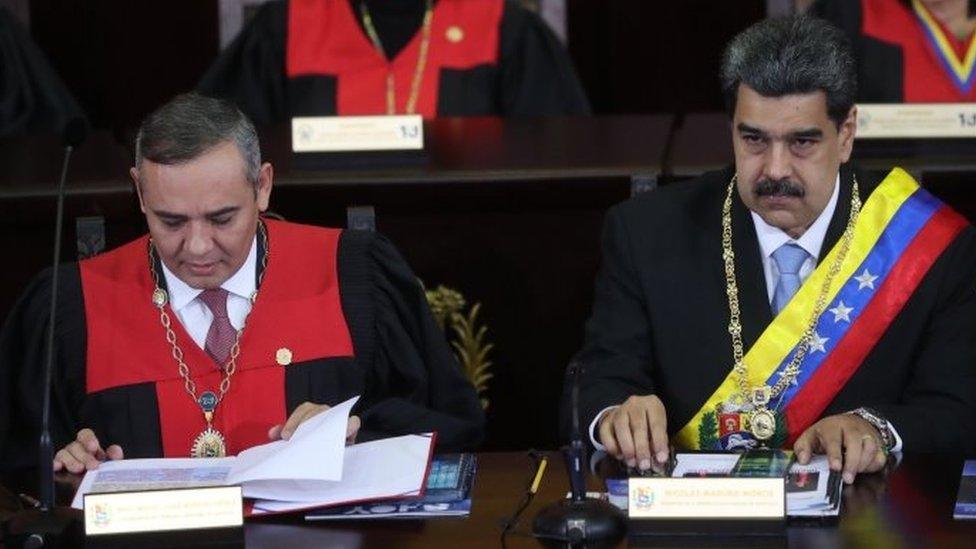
(880, 424)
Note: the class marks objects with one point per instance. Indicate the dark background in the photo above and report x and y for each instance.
(122, 58)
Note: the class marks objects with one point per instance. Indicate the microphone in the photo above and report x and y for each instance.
(578, 519)
(47, 526)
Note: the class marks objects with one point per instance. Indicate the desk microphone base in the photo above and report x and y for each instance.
(34, 529)
(590, 520)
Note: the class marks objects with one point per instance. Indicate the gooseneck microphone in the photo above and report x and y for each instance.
(47, 526)
(74, 134)
(578, 519)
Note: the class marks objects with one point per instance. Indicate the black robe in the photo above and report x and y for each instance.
(401, 363)
(530, 74)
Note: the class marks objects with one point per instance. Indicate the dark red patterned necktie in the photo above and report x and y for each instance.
(220, 337)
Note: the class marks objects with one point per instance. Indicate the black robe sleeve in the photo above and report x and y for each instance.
(413, 382)
(32, 96)
(251, 70)
(23, 344)
(617, 353)
(937, 408)
(536, 76)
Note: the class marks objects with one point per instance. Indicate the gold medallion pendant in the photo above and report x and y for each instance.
(209, 444)
(762, 424)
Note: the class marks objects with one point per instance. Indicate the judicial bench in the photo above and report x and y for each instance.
(506, 211)
(909, 507)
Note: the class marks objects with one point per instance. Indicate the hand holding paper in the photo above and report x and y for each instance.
(304, 412)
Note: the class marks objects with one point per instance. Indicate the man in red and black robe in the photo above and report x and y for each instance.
(315, 57)
(322, 315)
(907, 52)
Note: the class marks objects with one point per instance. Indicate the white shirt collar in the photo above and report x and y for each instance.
(771, 238)
(241, 283)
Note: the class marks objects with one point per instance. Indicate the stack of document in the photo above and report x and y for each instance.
(448, 494)
(966, 497)
(813, 490)
(314, 468)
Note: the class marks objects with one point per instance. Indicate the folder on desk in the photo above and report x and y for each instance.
(312, 469)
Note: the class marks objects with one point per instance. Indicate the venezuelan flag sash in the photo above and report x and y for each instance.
(901, 231)
(960, 70)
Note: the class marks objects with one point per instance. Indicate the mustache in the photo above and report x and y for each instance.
(779, 187)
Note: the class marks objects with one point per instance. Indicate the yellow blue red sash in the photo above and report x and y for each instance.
(960, 71)
(901, 231)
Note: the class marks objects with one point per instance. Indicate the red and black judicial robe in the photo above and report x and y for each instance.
(312, 57)
(898, 58)
(344, 302)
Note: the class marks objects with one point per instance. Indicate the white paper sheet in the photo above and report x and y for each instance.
(387, 468)
(313, 454)
(133, 475)
(813, 500)
(817, 470)
(704, 464)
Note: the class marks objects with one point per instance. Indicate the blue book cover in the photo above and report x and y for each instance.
(966, 499)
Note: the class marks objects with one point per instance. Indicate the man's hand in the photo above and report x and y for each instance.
(848, 440)
(304, 412)
(84, 454)
(634, 429)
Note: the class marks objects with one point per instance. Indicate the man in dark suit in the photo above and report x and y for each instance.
(875, 353)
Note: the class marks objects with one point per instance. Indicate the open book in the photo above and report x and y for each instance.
(314, 468)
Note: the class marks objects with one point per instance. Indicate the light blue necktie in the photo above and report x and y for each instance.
(788, 258)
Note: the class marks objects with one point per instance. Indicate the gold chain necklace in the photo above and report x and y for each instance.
(762, 421)
(418, 72)
(210, 442)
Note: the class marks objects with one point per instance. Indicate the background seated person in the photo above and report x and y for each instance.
(909, 51)
(359, 57)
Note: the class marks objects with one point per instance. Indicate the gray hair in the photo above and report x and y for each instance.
(792, 55)
(190, 125)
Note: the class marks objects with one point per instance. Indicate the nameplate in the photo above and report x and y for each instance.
(163, 510)
(916, 120)
(357, 133)
(707, 498)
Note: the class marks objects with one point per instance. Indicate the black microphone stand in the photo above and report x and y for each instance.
(578, 520)
(48, 525)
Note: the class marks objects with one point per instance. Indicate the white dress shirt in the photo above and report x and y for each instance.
(195, 316)
(770, 239)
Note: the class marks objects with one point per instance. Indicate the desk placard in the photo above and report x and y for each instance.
(312, 134)
(707, 498)
(163, 510)
(916, 120)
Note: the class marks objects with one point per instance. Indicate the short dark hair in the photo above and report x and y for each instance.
(792, 55)
(191, 124)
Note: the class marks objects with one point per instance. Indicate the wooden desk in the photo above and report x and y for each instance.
(911, 507)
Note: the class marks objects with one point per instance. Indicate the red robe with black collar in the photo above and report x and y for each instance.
(313, 58)
(343, 302)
